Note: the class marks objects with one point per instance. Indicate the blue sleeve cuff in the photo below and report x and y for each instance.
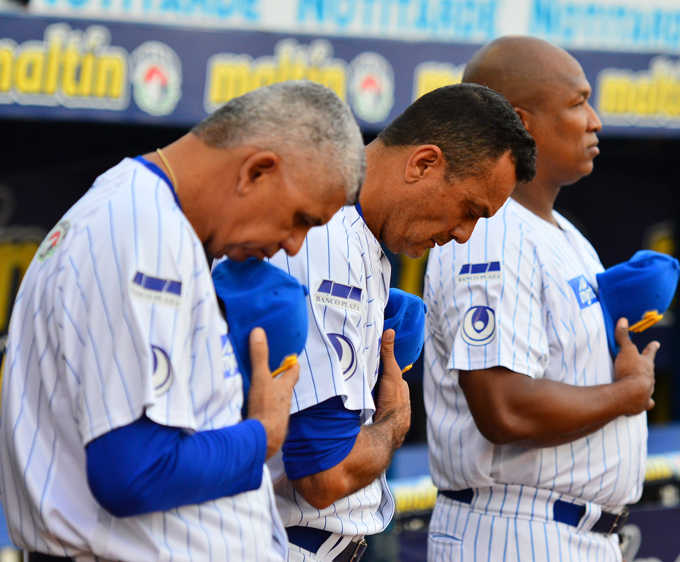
(259, 440)
(145, 467)
(319, 438)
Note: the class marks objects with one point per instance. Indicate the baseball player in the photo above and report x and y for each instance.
(121, 435)
(537, 439)
(453, 156)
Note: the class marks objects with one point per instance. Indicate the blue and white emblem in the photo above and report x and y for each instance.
(229, 361)
(346, 353)
(162, 371)
(585, 295)
(479, 326)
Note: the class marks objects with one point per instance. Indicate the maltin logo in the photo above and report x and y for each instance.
(371, 87)
(156, 78)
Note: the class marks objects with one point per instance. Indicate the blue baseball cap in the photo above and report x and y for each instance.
(405, 314)
(258, 294)
(640, 290)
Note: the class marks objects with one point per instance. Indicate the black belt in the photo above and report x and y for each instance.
(563, 512)
(311, 539)
(40, 557)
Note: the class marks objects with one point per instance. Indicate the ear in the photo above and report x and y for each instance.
(525, 117)
(256, 169)
(423, 160)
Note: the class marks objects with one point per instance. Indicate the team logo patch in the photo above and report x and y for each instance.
(156, 78)
(338, 295)
(346, 353)
(54, 239)
(155, 290)
(479, 326)
(585, 295)
(162, 371)
(371, 87)
(229, 361)
(489, 271)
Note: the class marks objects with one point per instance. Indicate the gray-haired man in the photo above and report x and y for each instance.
(120, 436)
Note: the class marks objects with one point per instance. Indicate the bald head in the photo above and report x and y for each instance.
(525, 70)
(550, 92)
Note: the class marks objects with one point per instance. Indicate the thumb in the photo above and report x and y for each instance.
(651, 349)
(621, 333)
(387, 348)
(259, 354)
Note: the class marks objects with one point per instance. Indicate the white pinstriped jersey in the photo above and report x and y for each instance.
(522, 294)
(348, 276)
(119, 317)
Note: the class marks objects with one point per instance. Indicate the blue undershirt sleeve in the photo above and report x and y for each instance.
(144, 466)
(319, 438)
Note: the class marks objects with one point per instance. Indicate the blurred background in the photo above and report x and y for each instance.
(85, 83)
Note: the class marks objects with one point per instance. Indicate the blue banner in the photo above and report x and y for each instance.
(131, 72)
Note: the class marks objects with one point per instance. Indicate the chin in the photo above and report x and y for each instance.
(239, 254)
(415, 253)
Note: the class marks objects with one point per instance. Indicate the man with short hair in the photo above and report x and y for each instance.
(452, 157)
(537, 439)
(122, 436)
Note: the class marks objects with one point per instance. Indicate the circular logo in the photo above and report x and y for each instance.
(54, 238)
(162, 371)
(371, 87)
(345, 350)
(479, 326)
(156, 78)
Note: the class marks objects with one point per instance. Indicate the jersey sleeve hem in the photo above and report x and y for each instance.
(172, 419)
(486, 363)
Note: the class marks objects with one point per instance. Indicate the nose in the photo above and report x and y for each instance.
(293, 243)
(462, 232)
(594, 123)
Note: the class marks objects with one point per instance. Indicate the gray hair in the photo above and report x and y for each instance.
(289, 115)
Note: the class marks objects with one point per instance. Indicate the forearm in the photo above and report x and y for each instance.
(145, 467)
(371, 455)
(566, 414)
(513, 408)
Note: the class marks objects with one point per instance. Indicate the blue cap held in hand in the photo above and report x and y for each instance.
(640, 290)
(258, 294)
(405, 314)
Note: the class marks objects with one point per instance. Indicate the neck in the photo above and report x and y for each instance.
(378, 172)
(539, 197)
(197, 170)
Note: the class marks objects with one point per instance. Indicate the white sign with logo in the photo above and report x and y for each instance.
(618, 25)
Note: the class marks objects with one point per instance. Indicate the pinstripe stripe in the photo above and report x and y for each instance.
(501, 539)
(82, 346)
(540, 331)
(343, 251)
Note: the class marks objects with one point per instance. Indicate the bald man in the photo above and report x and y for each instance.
(537, 437)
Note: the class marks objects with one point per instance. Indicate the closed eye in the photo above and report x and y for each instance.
(310, 221)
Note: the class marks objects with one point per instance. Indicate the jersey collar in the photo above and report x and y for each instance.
(161, 174)
(361, 213)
